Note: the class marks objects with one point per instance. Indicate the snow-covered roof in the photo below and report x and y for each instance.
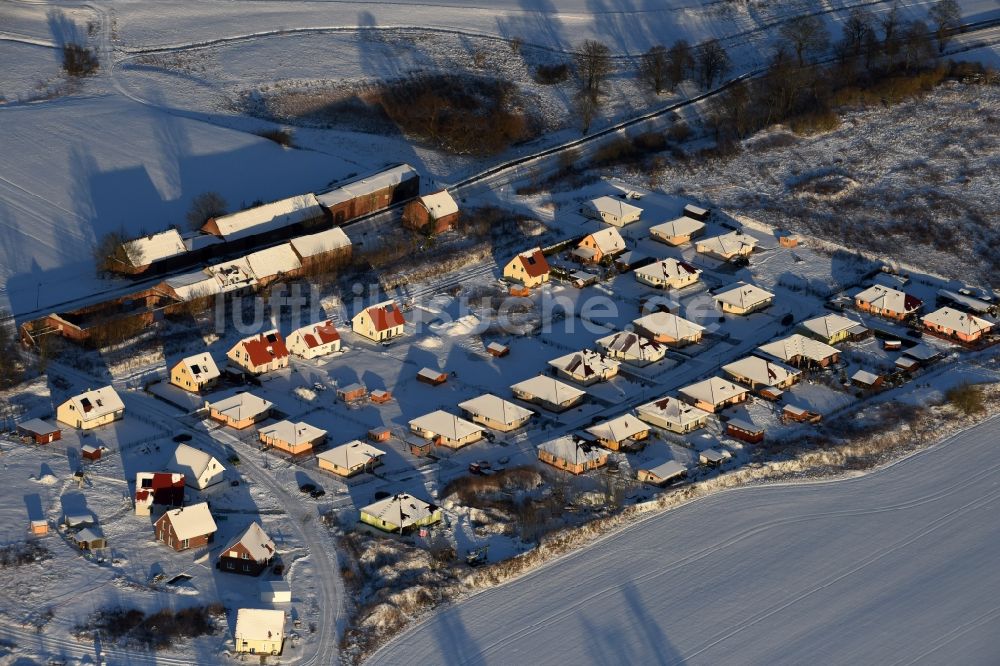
(439, 204)
(829, 325)
(608, 240)
(293, 433)
(259, 624)
(614, 206)
(191, 461)
(446, 425)
(887, 298)
(922, 352)
(255, 540)
(495, 408)
(682, 226)
(714, 455)
(747, 426)
(201, 366)
(351, 454)
(585, 364)
(744, 296)
(192, 521)
(430, 373)
(232, 275)
(148, 249)
(760, 371)
(263, 347)
(714, 390)
(797, 345)
(864, 377)
(315, 335)
(402, 509)
(194, 284)
(695, 210)
(548, 389)
(726, 245)
(619, 429)
(268, 217)
(88, 534)
(669, 324)
(667, 270)
(668, 470)
(367, 185)
(957, 320)
(38, 426)
(273, 261)
(241, 406)
(672, 410)
(324, 241)
(97, 403)
(633, 345)
(573, 450)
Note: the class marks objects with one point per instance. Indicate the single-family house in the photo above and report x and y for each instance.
(90, 538)
(529, 268)
(802, 352)
(676, 232)
(240, 411)
(446, 429)
(622, 432)
(632, 348)
(382, 321)
(595, 247)
(612, 210)
(433, 213)
(727, 246)
(668, 274)
(293, 438)
(887, 302)
(956, 324)
(495, 412)
(586, 367)
(41, 432)
(673, 415)
(757, 373)
(200, 469)
(662, 474)
(250, 553)
(744, 430)
(314, 340)
(744, 299)
(572, 454)
(159, 488)
(264, 219)
(349, 459)
(669, 329)
(195, 373)
(714, 394)
(832, 328)
(91, 409)
(186, 527)
(259, 631)
(260, 353)
(400, 513)
(548, 392)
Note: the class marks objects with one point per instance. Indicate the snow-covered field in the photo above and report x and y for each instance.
(896, 566)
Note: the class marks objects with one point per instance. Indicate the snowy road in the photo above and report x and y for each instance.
(898, 566)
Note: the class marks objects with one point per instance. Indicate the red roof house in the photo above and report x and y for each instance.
(379, 322)
(314, 340)
(260, 353)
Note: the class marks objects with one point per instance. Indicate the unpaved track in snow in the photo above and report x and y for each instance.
(897, 566)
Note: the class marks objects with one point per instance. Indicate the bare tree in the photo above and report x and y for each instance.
(205, 206)
(109, 253)
(11, 368)
(593, 64)
(807, 35)
(586, 108)
(947, 17)
(916, 43)
(890, 23)
(858, 27)
(680, 63)
(653, 68)
(712, 62)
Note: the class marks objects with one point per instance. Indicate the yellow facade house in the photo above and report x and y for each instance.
(91, 409)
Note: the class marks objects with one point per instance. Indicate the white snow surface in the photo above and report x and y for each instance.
(894, 566)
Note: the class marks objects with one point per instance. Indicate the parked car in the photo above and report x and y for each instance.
(307, 487)
(316, 494)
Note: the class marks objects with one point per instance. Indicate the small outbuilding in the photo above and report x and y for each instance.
(431, 376)
(380, 396)
(91, 452)
(497, 350)
(41, 432)
(696, 212)
(90, 538)
(662, 475)
(745, 430)
(713, 457)
(352, 393)
(866, 380)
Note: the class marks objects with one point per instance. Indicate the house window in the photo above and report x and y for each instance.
(245, 556)
(185, 543)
